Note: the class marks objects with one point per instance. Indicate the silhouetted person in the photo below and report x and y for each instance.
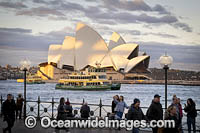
(191, 111)
(171, 114)
(68, 108)
(155, 111)
(85, 111)
(114, 104)
(135, 113)
(61, 109)
(19, 105)
(180, 113)
(8, 109)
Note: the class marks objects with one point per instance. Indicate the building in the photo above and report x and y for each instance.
(89, 49)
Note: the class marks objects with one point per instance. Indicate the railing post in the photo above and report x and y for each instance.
(52, 108)
(100, 108)
(38, 108)
(1, 105)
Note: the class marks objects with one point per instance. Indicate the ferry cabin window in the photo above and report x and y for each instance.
(105, 83)
(102, 76)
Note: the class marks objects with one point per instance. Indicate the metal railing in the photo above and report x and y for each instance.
(40, 109)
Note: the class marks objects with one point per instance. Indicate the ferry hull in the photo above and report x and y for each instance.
(88, 88)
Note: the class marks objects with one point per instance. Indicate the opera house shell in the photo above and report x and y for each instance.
(89, 48)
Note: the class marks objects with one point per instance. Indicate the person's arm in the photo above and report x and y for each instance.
(130, 114)
(125, 105)
(150, 113)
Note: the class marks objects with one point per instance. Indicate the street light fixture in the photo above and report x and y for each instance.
(165, 62)
(25, 65)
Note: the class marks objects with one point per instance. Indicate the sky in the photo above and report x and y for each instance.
(27, 28)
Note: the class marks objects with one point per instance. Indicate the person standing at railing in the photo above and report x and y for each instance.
(19, 105)
(191, 111)
(8, 109)
(135, 113)
(68, 108)
(155, 111)
(61, 109)
(114, 104)
(180, 114)
(120, 106)
(85, 111)
(170, 114)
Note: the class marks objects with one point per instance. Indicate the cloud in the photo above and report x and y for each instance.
(40, 11)
(181, 53)
(16, 30)
(8, 4)
(164, 35)
(136, 5)
(160, 9)
(182, 26)
(24, 39)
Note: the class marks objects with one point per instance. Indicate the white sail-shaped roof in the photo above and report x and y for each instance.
(54, 53)
(115, 40)
(133, 62)
(90, 47)
(119, 61)
(67, 52)
(107, 61)
(124, 50)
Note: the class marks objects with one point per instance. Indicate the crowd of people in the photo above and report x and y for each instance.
(155, 112)
(12, 110)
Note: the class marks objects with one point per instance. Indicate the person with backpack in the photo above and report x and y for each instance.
(120, 106)
(19, 106)
(155, 111)
(135, 113)
(85, 111)
(191, 111)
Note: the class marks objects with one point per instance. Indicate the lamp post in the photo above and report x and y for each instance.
(25, 64)
(165, 62)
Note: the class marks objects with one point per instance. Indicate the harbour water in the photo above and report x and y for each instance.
(130, 91)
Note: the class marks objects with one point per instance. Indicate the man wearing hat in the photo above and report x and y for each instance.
(155, 111)
(135, 113)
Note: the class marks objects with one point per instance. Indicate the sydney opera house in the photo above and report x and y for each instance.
(88, 49)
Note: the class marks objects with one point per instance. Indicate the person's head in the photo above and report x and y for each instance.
(178, 100)
(136, 102)
(85, 103)
(174, 95)
(190, 101)
(121, 98)
(117, 97)
(157, 98)
(67, 102)
(175, 100)
(172, 110)
(19, 95)
(9, 97)
(62, 100)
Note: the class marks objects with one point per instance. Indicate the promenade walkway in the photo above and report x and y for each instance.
(19, 127)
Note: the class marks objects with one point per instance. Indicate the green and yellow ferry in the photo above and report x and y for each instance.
(90, 81)
(32, 79)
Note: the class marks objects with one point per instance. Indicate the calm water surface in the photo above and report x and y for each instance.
(130, 91)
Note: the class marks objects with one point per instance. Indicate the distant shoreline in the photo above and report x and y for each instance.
(155, 82)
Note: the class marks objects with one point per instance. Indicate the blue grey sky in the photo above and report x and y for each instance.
(27, 28)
